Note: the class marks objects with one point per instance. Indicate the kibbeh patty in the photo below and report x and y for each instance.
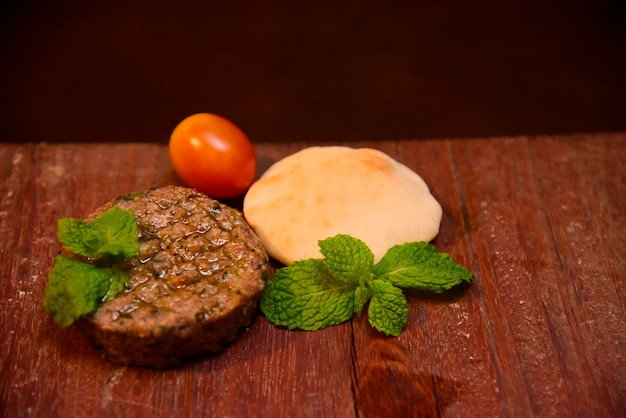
(196, 281)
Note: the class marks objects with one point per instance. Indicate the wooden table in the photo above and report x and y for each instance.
(540, 332)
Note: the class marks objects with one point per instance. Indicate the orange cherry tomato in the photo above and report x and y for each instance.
(212, 155)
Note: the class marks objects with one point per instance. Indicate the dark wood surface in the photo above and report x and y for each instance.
(539, 220)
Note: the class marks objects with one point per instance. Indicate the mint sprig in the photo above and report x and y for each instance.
(316, 293)
(77, 287)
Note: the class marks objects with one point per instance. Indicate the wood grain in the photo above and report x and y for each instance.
(540, 332)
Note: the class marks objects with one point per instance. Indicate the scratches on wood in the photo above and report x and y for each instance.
(107, 388)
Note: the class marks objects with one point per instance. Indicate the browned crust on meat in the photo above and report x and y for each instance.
(163, 348)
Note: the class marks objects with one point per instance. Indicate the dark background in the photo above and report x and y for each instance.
(310, 70)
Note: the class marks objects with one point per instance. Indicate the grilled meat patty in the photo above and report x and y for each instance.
(196, 281)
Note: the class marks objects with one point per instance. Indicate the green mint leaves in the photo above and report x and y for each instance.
(76, 287)
(418, 265)
(316, 293)
(307, 296)
(113, 235)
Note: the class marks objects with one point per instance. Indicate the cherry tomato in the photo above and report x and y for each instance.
(212, 155)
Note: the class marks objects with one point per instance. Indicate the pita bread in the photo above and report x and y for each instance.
(320, 192)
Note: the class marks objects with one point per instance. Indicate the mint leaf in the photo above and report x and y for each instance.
(76, 288)
(362, 295)
(113, 235)
(118, 278)
(388, 310)
(305, 295)
(347, 258)
(418, 265)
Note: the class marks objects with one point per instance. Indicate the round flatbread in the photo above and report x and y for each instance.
(320, 192)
